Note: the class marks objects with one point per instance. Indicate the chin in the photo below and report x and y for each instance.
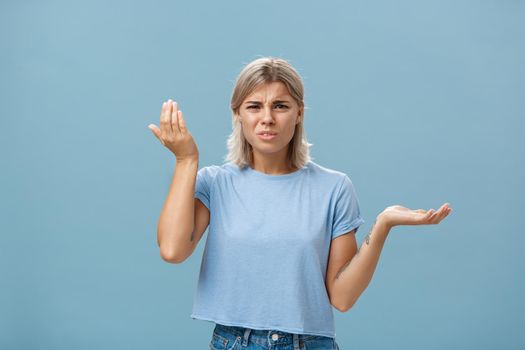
(268, 149)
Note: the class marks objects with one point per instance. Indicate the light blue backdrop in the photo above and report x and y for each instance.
(419, 102)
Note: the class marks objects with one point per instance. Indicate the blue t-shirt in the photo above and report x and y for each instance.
(266, 254)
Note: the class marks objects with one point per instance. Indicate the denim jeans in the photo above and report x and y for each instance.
(240, 338)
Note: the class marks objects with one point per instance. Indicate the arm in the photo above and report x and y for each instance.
(183, 219)
(347, 283)
(176, 220)
(349, 272)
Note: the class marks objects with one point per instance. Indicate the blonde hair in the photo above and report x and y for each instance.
(260, 71)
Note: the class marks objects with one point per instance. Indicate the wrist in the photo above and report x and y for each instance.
(382, 221)
(187, 163)
(187, 160)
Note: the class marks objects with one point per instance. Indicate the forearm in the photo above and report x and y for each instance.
(177, 217)
(353, 278)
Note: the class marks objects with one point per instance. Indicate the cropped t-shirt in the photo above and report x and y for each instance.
(266, 253)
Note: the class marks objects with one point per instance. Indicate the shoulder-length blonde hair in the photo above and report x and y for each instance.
(255, 73)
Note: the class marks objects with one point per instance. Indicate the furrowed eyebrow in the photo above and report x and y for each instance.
(275, 102)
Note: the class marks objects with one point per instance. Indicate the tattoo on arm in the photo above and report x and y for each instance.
(192, 236)
(367, 238)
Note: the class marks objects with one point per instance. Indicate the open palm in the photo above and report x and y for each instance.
(398, 215)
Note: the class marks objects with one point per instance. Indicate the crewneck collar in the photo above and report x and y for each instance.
(262, 175)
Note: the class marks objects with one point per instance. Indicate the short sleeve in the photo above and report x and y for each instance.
(203, 185)
(347, 214)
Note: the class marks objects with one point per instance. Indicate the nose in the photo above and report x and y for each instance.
(267, 117)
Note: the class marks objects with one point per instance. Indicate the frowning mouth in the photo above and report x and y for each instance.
(266, 135)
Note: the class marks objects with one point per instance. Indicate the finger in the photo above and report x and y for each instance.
(437, 219)
(165, 125)
(432, 214)
(446, 211)
(440, 214)
(156, 132)
(174, 117)
(444, 206)
(428, 216)
(182, 123)
(169, 113)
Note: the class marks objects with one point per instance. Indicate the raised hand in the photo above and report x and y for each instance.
(173, 133)
(398, 215)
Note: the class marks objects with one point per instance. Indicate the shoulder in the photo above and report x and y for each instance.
(214, 171)
(335, 182)
(331, 176)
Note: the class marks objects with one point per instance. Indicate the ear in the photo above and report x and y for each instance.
(236, 116)
(300, 116)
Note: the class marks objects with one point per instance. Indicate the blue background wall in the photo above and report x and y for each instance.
(419, 102)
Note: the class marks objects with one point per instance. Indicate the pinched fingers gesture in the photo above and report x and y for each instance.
(173, 133)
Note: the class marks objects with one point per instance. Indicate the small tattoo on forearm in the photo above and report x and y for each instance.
(367, 238)
(367, 241)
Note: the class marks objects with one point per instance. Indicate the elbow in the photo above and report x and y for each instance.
(170, 256)
(342, 307)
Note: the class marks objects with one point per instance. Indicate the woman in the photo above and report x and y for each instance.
(281, 248)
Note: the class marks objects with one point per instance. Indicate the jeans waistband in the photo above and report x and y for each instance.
(265, 336)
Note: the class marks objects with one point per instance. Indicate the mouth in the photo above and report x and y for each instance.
(267, 135)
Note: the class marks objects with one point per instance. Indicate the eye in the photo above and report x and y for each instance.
(280, 104)
(253, 106)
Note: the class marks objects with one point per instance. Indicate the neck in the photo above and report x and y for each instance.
(271, 165)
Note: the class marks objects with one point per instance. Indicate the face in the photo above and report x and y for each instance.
(271, 108)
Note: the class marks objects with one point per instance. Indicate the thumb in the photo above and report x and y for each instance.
(155, 130)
